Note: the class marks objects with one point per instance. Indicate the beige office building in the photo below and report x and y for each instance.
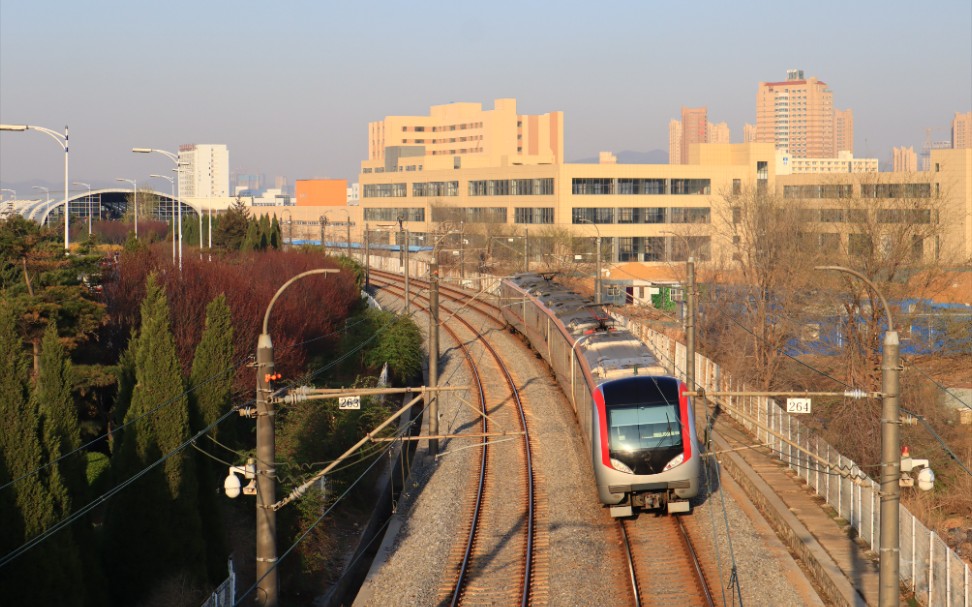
(796, 116)
(643, 212)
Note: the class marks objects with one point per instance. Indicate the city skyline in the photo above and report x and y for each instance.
(292, 93)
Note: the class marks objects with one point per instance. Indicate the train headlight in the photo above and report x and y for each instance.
(619, 465)
(675, 462)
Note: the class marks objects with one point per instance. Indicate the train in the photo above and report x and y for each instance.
(637, 422)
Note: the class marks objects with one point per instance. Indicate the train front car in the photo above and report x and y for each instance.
(645, 451)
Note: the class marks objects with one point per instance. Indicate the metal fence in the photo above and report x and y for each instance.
(225, 593)
(935, 573)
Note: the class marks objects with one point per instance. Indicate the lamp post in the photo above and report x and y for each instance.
(405, 260)
(888, 577)
(134, 200)
(175, 159)
(689, 313)
(171, 181)
(87, 185)
(597, 278)
(61, 140)
(266, 474)
(47, 192)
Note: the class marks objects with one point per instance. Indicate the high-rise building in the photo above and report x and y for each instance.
(717, 133)
(749, 133)
(905, 160)
(674, 141)
(205, 170)
(694, 124)
(844, 131)
(464, 135)
(693, 128)
(797, 116)
(962, 131)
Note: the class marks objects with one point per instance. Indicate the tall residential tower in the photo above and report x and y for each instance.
(797, 116)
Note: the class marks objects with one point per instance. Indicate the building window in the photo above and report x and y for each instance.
(592, 186)
(435, 189)
(383, 190)
(391, 215)
(736, 187)
(537, 215)
(691, 186)
(690, 215)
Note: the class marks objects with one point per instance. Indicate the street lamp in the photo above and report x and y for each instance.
(171, 181)
(87, 185)
(47, 192)
(888, 595)
(61, 140)
(266, 474)
(175, 159)
(597, 278)
(134, 199)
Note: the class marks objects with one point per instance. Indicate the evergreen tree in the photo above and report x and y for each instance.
(276, 236)
(61, 432)
(265, 230)
(211, 380)
(154, 525)
(45, 573)
(252, 240)
(230, 228)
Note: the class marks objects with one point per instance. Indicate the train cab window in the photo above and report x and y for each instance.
(644, 426)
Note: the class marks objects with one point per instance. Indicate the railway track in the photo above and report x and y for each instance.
(672, 577)
(494, 563)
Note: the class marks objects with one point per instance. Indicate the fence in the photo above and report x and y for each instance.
(935, 573)
(225, 593)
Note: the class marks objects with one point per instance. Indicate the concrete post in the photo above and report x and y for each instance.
(434, 354)
(690, 327)
(888, 578)
(266, 477)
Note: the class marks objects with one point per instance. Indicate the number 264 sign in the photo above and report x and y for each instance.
(798, 405)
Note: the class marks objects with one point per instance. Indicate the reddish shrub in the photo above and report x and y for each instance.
(308, 311)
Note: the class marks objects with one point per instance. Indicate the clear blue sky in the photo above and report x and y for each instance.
(291, 86)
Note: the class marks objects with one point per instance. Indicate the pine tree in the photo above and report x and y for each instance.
(154, 523)
(211, 380)
(276, 235)
(252, 240)
(265, 230)
(44, 574)
(61, 432)
(230, 228)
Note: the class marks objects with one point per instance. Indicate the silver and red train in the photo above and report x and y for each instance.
(635, 418)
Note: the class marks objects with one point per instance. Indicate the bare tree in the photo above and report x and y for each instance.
(759, 286)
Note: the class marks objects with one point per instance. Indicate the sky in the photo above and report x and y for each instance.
(290, 87)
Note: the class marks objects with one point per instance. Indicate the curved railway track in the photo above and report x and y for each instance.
(495, 526)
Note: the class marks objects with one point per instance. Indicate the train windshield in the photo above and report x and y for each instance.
(648, 426)
(644, 424)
